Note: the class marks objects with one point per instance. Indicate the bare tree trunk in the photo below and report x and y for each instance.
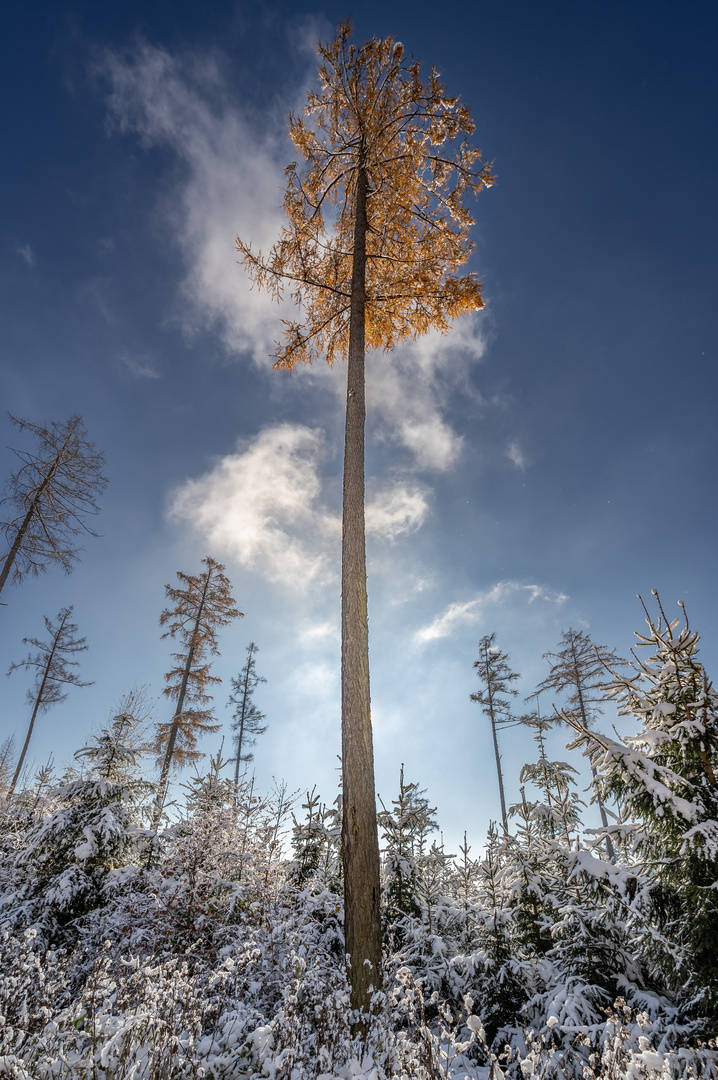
(10, 557)
(492, 716)
(499, 772)
(241, 729)
(162, 786)
(601, 808)
(360, 843)
(38, 703)
(17, 542)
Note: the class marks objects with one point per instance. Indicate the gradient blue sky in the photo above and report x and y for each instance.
(536, 469)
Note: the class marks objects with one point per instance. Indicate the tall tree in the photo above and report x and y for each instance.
(581, 668)
(49, 498)
(248, 718)
(53, 671)
(200, 605)
(493, 671)
(377, 229)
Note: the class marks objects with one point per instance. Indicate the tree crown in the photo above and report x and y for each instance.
(52, 663)
(493, 669)
(374, 117)
(52, 493)
(582, 668)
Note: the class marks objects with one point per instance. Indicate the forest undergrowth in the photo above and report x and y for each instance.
(203, 948)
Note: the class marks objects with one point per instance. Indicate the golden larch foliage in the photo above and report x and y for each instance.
(375, 113)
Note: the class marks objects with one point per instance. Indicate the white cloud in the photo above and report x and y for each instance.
(263, 506)
(399, 509)
(409, 390)
(140, 367)
(515, 454)
(232, 184)
(27, 254)
(472, 611)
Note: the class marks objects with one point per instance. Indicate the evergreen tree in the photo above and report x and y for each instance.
(72, 859)
(7, 755)
(316, 845)
(405, 829)
(665, 778)
(581, 668)
(466, 874)
(53, 671)
(51, 494)
(493, 670)
(498, 984)
(247, 717)
(201, 605)
(566, 918)
(384, 170)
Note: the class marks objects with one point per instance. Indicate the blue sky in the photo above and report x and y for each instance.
(534, 470)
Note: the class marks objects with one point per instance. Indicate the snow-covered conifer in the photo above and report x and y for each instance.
(665, 778)
(73, 858)
(404, 830)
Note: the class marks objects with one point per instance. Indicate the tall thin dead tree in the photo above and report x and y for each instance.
(247, 722)
(496, 676)
(200, 606)
(49, 498)
(377, 229)
(583, 669)
(53, 671)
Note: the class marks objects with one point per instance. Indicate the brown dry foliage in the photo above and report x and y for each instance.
(200, 606)
(374, 111)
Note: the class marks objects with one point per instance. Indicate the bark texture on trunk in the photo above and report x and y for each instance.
(360, 843)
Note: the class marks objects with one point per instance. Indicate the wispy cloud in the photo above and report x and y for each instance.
(515, 454)
(409, 390)
(141, 367)
(264, 506)
(470, 611)
(232, 183)
(261, 506)
(27, 254)
(399, 509)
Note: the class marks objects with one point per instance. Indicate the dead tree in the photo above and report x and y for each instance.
(49, 498)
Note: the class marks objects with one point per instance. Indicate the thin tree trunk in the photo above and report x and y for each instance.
(360, 843)
(601, 808)
(499, 773)
(10, 558)
(241, 729)
(162, 786)
(496, 746)
(17, 542)
(38, 703)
